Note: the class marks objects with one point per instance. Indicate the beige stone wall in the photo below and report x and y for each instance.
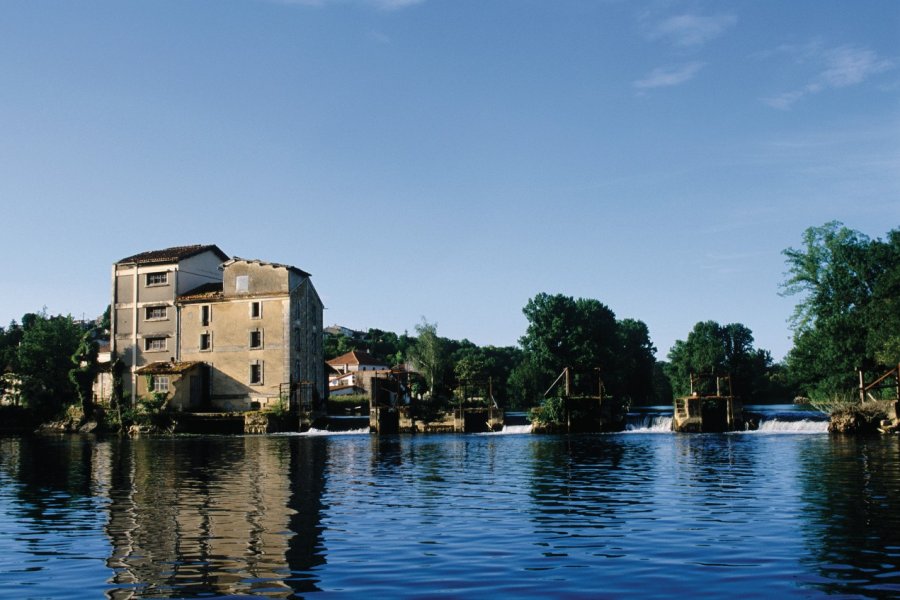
(230, 355)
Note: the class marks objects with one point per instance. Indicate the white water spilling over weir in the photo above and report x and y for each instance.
(801, 426)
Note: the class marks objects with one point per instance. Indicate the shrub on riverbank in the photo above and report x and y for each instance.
(345, 405)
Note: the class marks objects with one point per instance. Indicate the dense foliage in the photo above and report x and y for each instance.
(712, 350)
(848, 316)
(36, 359)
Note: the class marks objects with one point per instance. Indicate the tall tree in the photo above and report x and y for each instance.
(44, 361)
(565, 332)
(429, 355)
(636, 361)
(713, 349)
(848, 313)
(83, 372)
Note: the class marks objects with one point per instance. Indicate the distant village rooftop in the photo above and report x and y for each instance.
(169, 255)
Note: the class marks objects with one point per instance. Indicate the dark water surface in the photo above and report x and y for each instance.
(633, 514)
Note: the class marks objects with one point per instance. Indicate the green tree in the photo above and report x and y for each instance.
(635, 363)
(713, 349)
(85, 369)
(44, 361)
(429, 355)
(848, 313)
(565, 332)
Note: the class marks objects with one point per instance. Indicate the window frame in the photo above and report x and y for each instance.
(257, 368)
(209, 344)
(259, 334)
(164, 317)
(256, 309)
(205, 314)
(159, 384)
(149, 278)
(151, 342)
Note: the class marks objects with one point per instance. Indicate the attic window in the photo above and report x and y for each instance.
(242, 283)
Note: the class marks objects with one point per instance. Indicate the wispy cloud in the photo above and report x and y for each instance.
(378, 37)
(691, 30)
(839, 67)
(669, 76)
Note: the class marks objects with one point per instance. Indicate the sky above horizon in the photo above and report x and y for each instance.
(449, 159)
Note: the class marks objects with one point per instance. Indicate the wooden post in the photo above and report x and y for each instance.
(718, 390)
(862, 387)
(691, 377)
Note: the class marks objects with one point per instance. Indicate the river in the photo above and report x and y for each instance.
(786, 511)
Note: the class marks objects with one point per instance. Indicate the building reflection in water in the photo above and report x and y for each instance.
(215, 516)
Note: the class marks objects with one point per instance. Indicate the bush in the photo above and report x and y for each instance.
(552, 411)
(340, 405)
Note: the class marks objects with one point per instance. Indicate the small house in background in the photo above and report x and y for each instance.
(357, 360)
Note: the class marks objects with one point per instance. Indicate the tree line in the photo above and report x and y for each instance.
(847, 317)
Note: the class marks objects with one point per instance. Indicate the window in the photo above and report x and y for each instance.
(255, 310)
(161, 278)
(155, 344)
(205, 315)
(159, 383)
(205, 341)
(242, 283)
(155, 313)
(256, 338)
(256, 373)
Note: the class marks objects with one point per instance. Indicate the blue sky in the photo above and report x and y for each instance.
(449, 158)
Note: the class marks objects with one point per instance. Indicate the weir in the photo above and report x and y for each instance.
(710, 412)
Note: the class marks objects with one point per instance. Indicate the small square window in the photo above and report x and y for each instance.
(205, 314)
(242, 283)
(155, 344)
(155, 313)
(255, 310)
(159, 383)
(256, 373)
(256, 339)
(161, 278)
(205, 341)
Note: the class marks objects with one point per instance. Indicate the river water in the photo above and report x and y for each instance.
(786, 511)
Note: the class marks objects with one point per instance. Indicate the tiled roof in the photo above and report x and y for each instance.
(171, 255)
(167, 368)
(207, 291)
(355, 357)
(268, 264)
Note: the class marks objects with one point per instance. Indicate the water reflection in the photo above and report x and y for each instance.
(852, 492)
(417, 516)
(215, 516)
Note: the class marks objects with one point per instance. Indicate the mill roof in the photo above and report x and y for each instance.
(170, 255)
